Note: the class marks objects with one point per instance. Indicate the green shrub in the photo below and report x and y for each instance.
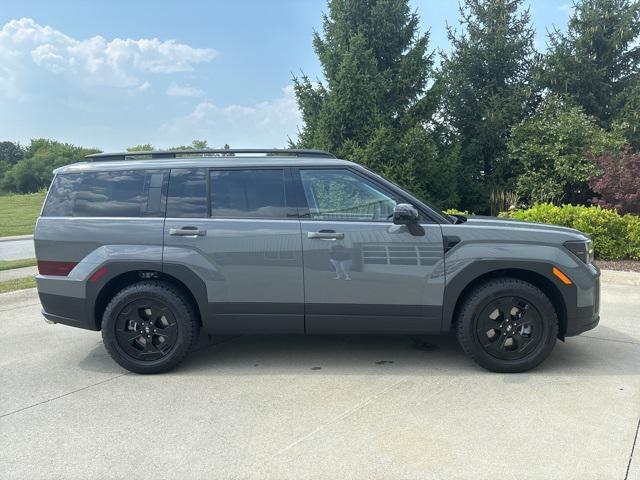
(615, 237)
(633, 235)
(455, 211)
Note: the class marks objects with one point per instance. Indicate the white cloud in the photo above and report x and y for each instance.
(566, 8)
(256, 125)
(122, 63)
(175, 90)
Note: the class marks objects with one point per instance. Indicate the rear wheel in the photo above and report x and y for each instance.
(507, 325)
(149, 327)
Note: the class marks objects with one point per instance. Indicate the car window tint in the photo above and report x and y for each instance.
(187, 193)
(339, 194)
(129, 193)
(248, 193)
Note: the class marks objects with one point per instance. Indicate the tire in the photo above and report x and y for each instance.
(502, 309)
(149, 327)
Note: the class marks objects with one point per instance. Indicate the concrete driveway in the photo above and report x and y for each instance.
(324, 407)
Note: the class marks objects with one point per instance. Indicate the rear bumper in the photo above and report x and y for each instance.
(63, 308)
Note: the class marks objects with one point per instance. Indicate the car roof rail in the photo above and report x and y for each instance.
(206, 152)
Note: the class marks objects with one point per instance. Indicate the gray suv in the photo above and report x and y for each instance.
(153, 247)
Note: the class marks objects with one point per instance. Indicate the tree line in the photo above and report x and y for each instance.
(488, 124)
(491, 122)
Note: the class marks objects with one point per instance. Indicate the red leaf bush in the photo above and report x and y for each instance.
(618, 186)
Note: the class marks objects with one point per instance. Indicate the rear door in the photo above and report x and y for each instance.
(362, 273)
(235, 229)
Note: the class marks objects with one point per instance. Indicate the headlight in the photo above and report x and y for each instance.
(582, 250)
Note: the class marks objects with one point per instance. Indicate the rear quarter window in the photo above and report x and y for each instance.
(127, 193)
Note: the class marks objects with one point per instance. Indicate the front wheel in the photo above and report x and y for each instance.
(507, 325)
(149, 327)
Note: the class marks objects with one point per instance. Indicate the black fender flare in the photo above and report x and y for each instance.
(480, 268)
(191, 281)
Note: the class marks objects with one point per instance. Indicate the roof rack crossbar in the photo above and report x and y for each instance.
(221, 152)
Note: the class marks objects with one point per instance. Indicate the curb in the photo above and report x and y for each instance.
(16, 237)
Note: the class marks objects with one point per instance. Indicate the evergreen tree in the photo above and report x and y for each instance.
(372, 107)
(596, 61)
(486, 80)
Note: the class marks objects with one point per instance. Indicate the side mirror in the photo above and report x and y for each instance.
(405, 214)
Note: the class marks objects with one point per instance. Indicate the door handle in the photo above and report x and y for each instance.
(191, 232)
(326, 235)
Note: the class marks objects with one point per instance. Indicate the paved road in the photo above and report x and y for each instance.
(325, 407)
(16, 249)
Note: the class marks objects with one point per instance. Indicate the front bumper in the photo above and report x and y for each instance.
(587, 317)
(578, 326)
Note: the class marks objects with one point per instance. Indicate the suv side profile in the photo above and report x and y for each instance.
(151, 248)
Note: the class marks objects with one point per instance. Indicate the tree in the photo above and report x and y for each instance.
(35, 170)
(144, 147)
(10, 154)
(486, 80)
(195, 145)
(551, 151)
(596, 60)
(373, 106)
(618, 183)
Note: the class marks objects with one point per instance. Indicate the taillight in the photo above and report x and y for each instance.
(59, 269)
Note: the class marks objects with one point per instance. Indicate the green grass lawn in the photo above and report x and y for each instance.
(18, 213)
(11, 264)
(17, 284)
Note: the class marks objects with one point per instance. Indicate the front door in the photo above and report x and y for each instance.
(362, 273)
(233, 227)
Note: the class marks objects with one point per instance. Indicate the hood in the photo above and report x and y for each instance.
(482, 221)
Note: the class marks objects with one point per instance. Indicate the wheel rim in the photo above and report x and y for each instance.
(509, 328)
(146, 329)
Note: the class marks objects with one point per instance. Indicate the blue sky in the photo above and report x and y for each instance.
(113, 74)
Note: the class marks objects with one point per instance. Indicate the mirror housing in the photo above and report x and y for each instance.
(458, 219)
(405, 214)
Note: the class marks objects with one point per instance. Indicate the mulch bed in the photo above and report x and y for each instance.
(622, 265)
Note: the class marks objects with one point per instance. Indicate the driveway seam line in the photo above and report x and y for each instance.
(633, 447)
(63, 395)
(349, 412)
(611, 340)
(95, 384)
(343, 415)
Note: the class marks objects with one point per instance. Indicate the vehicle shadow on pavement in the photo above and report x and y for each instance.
(395, 355)
(382, 354)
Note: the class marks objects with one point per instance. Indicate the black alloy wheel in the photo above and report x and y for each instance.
(146, 329)
(509, 328)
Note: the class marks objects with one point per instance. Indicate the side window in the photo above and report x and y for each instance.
(258, 193)
(339, 194)
(128, 193)
(187, 193)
